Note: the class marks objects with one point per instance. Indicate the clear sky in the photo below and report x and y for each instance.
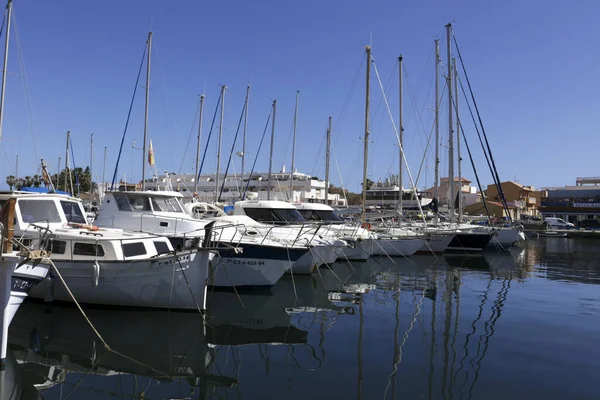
(533, 65)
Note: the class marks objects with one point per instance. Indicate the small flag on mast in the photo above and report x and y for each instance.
(151, 154)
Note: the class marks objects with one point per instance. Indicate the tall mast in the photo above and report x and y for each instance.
(67, 161)
(294, 147)
(327, 159)
(223, 88)
(450, 130)
(437, 125)
(91, 164)
(6, 40)
(198, 143)
(460, 199)
(366, 138)
(245, 130)
(401, 134)
(146, 112)
(271, 152)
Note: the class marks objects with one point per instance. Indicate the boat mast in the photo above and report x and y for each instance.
(366, 138)
(103, 173)
(223, 88)
(201, 111)
(460, 199)
(271, 152)
(294, 147)
(91, 164)
(401, 134)
(450, 130)
(437, 125)
(146, 112)
(5, 63)
(327, 160)
(67, 161)
(245, 130)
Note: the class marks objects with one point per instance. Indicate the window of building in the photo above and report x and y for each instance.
(88, 249)
(73, 212)
(39, 211)
(134, 249)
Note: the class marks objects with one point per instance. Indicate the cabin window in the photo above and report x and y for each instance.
(73, 212)
(161, 247)
(122, 202)
(279, 216)
(39, 211)
(134, 249)
(88, 249)
(166, 204)
(139, 203)
(58, 246)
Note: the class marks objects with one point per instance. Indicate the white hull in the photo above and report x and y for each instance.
(397, 247)
(14, 287)
(161, 282)
(506, 238)
(228, 272)
(352, 253)
(317, 256)
(436, 244)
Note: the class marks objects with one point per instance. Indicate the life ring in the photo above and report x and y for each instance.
(92, 228)
(366, 226)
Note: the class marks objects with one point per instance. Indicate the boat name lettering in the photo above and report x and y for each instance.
(244, 262)
(21, 285)
(587, 205)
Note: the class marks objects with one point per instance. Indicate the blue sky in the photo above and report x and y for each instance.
(532, 64)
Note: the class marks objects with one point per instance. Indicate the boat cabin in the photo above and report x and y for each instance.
(269, 212)
(317, 212)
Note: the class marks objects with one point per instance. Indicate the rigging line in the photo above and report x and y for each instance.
(399, 144)
(489, 149)
(257, 153)
(137, 81)
(24, 83)
(212, 124)
(74, 170)
(233, 147)
(187, 144)
(340, 120)
(414, 101)
(339, 173)
(483, 199)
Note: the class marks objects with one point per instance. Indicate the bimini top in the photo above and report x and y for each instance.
(313, 206)
(271, 204)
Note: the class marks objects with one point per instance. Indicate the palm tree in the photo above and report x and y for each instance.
(11, 181)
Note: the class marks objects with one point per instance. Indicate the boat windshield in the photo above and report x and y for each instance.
(166, 204)
(39, 211)
(277, 216)
(320, 215)
(73, 212)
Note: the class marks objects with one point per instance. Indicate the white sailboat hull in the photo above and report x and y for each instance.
(176, 282)
(507, 237)
(229, 272)
(397, 247)
(352, 253)
(436, 244)
(317, 256)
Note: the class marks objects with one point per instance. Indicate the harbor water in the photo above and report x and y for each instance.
(523, 324)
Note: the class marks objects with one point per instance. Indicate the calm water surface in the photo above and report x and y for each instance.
(519, 325)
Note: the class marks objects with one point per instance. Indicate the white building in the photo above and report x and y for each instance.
(305, 188)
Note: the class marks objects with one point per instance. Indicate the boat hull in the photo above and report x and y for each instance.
(355, 253)
(469, 242)
(397, 247)
(506, 238)
(255, 267)
(313, 259)
(436, 244)
(15, 284)
(175, 282)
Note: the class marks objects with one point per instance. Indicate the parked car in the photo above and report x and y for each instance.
(558, 223)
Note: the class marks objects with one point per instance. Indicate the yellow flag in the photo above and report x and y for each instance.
(151, 154)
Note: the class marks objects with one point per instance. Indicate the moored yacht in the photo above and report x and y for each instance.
(107, 266)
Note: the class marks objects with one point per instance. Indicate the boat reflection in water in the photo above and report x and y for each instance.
(426, 327)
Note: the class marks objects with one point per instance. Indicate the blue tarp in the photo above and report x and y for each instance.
(41, 190)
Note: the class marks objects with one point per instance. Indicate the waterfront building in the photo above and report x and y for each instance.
(573, 203)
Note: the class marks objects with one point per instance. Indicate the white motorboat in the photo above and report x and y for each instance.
(284, 222)
(354, 235)
(108, 266)
(246, 258)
